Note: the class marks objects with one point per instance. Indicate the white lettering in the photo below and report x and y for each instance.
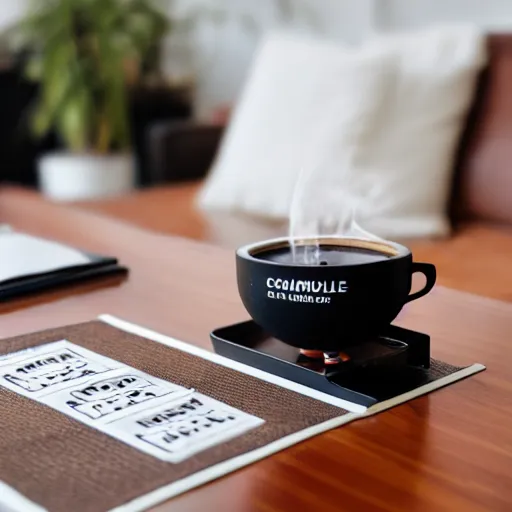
(317, 289)
(325, 287)
(270, 295)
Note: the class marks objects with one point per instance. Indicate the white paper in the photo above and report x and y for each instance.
(48, 368)
(175, 432)
(23, 255)
(114, 395)
(153, 415)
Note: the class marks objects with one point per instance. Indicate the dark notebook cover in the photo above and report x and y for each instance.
(95, 266)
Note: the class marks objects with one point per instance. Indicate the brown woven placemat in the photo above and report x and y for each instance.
(64, 465)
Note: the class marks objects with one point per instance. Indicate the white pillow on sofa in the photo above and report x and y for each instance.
(377, 127)
(412, 157)
(302, 98)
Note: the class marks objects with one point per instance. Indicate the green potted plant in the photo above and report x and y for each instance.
(85, 54)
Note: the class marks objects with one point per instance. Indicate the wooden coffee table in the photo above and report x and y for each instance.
(450, 450)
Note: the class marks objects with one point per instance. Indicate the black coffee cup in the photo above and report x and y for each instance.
(346, 292)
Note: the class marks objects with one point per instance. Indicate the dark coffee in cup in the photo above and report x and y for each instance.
(327, 293)
(323, 255)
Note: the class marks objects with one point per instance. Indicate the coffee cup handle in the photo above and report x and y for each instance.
(429, 271)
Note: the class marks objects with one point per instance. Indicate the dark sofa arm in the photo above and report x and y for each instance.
(181, 150)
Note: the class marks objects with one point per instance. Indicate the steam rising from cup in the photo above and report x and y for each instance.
(326, 202)
(336, 188)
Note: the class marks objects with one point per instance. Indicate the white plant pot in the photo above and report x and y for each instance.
(72, 177)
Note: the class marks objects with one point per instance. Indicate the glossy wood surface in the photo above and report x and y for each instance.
(476, 259)
(448, 451)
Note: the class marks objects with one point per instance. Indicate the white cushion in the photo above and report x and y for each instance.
(411, 159)
(303, 98)
(373, 130)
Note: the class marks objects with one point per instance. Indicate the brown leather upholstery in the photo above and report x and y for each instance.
(484, 179)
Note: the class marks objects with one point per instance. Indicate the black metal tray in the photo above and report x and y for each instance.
(401, 359)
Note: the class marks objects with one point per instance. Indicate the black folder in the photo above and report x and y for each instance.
(95, 266)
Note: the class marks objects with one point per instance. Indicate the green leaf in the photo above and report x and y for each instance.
(41, 121)
(55, 90)
(34, 68)
(73, 121)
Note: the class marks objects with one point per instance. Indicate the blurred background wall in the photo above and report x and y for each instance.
(217, 49)
(221, 67)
